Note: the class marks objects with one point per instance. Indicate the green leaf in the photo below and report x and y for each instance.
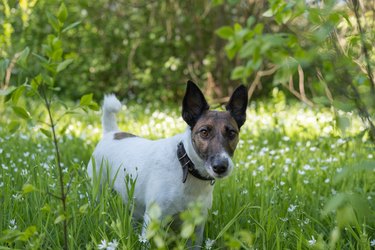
(225, 32)
(46, 208)
(28, 188)
(231, 48)
(268, 13)
(4, 63)
(21, 112)
(23, 55)
(83, 208)
(60, 218)
(52, 20)
(35, 83)
(250, 21)
(46, 132)
(217, 2)
(237, 73)
(62, 13)
(40, 58)
(187, 230)
(86, 100)
(346, 106)
(17, 94)
(71, 26)
(64, 64)
(13, 126)
(27, 234)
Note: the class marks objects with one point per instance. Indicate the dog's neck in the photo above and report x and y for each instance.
(198, 163)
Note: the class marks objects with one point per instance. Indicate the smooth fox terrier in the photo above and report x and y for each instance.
(175, 171)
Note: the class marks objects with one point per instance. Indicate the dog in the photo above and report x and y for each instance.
(176, 171)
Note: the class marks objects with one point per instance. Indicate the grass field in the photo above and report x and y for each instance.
(299, 183)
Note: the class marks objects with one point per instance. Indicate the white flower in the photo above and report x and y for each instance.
(291, 208)
(112, 245)
(209, 243)
(372, 243)
(244, 191)
(12, 224)
(103, 245)
(312, 241)
(216, 212)
(142, 239)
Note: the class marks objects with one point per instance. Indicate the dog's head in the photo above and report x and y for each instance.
(214, 134)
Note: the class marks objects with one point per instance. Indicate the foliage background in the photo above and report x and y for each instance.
(318, 52)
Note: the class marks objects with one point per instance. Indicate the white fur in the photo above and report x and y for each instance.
(155, 166)
(111, 106)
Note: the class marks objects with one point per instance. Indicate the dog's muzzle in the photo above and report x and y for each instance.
(220, 165)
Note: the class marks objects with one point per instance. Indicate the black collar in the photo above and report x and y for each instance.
(188, 166)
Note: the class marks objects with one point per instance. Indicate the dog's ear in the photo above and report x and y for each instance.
(194, 104)
(237, 105)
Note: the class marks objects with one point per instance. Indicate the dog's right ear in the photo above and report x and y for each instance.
(194, 104)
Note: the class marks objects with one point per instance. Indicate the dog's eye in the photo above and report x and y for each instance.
(204, 133)
(232, 134)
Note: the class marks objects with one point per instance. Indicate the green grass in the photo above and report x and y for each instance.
(299, 183)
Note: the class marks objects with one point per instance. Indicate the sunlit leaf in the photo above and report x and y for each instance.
(62, 13)
(86, 100)
(71, 26)
(28, 188)
(46, 132)
(21, 112)
(225, 32)
(60, 218)
(13, 126)
(63, 65)
(52, 20)
(17, 94)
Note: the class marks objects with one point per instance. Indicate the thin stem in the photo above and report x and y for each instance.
(47, 103)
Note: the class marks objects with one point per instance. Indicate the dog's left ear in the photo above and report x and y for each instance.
(194, 104)
(237, 105)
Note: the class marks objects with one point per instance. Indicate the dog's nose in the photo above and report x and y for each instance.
(220, 167)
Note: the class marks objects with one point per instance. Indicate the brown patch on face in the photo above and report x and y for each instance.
(122, 135)
(214, 133)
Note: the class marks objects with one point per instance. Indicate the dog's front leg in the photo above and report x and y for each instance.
(146, 221)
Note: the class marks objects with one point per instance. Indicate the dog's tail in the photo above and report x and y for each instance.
(111, 106)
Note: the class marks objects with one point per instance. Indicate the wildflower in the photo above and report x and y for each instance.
(17, 196)
(209, 243)
(1, 150)
(326, 180)
(291, 208)
(13, 224)
(307, 167)
(112, 245)
(142, 239)
(285, 138)
(312, 241)
(103, 245)
(216, 212)
(372, 243)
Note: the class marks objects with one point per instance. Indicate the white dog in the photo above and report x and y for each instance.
(175, 171)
